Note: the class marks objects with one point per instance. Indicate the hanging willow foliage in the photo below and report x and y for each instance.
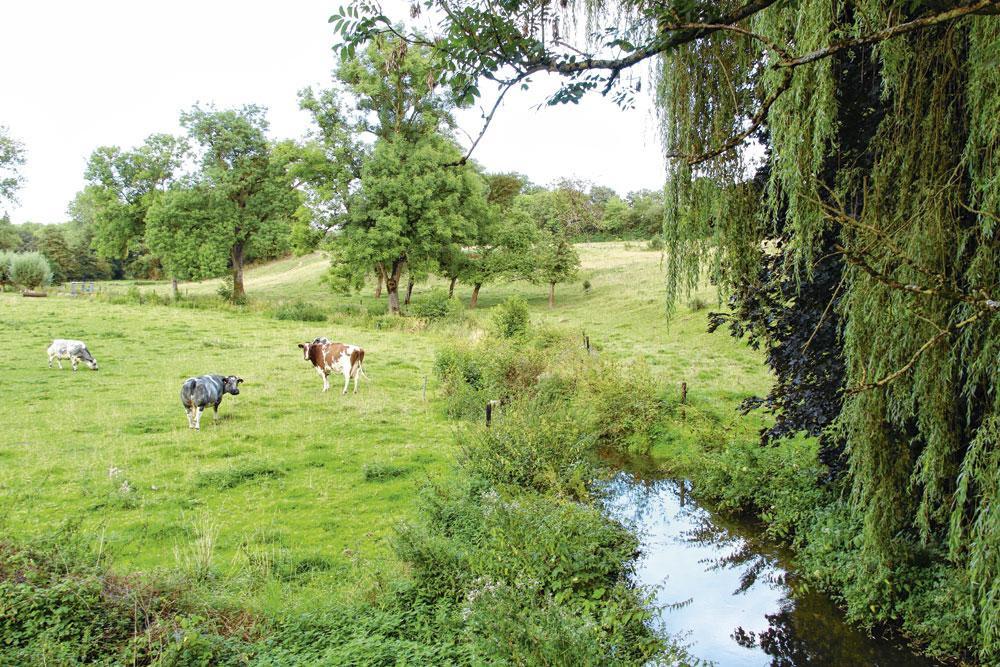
(918, 229)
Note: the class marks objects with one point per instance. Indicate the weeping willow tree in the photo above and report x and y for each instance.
(878, 124)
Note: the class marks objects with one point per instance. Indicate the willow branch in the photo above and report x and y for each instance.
(486, 124)
(982, 6)
(931, 342)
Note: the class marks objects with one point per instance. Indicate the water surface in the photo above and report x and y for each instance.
(729, 593)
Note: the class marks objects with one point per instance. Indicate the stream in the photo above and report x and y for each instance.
(728, 593)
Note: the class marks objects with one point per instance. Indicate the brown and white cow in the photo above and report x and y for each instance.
(327, 356)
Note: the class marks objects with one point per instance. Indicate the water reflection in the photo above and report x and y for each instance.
(728, 591)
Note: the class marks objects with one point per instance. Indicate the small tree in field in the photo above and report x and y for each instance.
(30, 270)
(554, 259)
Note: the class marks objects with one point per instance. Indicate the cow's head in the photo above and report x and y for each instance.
(305, 350)
(231, 385)
(91, 363)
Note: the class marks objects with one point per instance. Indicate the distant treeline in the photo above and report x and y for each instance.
(594, 212)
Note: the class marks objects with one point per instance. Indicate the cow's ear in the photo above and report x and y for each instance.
(302, 346)
(239, 380)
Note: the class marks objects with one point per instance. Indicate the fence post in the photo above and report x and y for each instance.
(684, 395)
(489, 413)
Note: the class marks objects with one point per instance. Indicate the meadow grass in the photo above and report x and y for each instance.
(302, 490)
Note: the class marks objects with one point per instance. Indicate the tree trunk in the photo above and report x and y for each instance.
(381, 278)
(392, 286)
(451, 288)
(237, 258)
(475, 295)
(173, 287)
(552, 295)
(409, 292)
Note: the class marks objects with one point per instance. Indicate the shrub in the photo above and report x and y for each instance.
(30, 270)
(532, 447)
(226, 289)
(586, 286)
(697, 303)
(381, 472)
(622, 403)
(437, 305)
(510, 318)
(301, 311)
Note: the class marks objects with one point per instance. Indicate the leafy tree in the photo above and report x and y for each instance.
(416, 200)
(53, 245)
(11, 159)
(9, 238)
(504, 242)
(6, 260)
(238, 206)
(123, 186)
(409, 207)
(556, 215)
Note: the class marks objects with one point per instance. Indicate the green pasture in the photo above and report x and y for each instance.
(302, 485)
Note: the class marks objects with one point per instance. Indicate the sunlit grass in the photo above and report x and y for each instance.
(291, 481)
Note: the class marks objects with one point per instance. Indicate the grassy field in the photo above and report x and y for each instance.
(303, 485)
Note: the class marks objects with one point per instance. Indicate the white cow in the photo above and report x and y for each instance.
(74, 350)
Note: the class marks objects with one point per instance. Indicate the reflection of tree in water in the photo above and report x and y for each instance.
(807, 629)
(740, 553)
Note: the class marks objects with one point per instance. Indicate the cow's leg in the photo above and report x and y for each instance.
(215, 407)
(50, 361)
(322, 374)
(197, 417)
(74, 362)
(357, 374)
(187, 411)
(347, 380)
(58, 361)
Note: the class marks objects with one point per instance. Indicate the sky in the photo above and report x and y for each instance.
(81, 75)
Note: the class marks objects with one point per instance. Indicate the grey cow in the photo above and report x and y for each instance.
(198, 393)
(74, 350)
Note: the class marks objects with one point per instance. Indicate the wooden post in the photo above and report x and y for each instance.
(489, 413)
(684, 392)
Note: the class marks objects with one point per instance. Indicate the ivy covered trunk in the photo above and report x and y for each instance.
(409, 292)
(474, 301)
(236, 258)
(392, 286)
(451, 287)
(380, 270)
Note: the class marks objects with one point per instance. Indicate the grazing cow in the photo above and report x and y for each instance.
(200, 392)
(74, 350)
(327, 356)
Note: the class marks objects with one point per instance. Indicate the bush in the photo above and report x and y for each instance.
(586, 286)
(532, 447)
(697, 303)
(30, 270)
(622, 403)
(226, 289)
(301, 311)
(437, 305)
(510, 318)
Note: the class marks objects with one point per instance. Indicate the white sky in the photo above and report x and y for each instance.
(79, 75)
